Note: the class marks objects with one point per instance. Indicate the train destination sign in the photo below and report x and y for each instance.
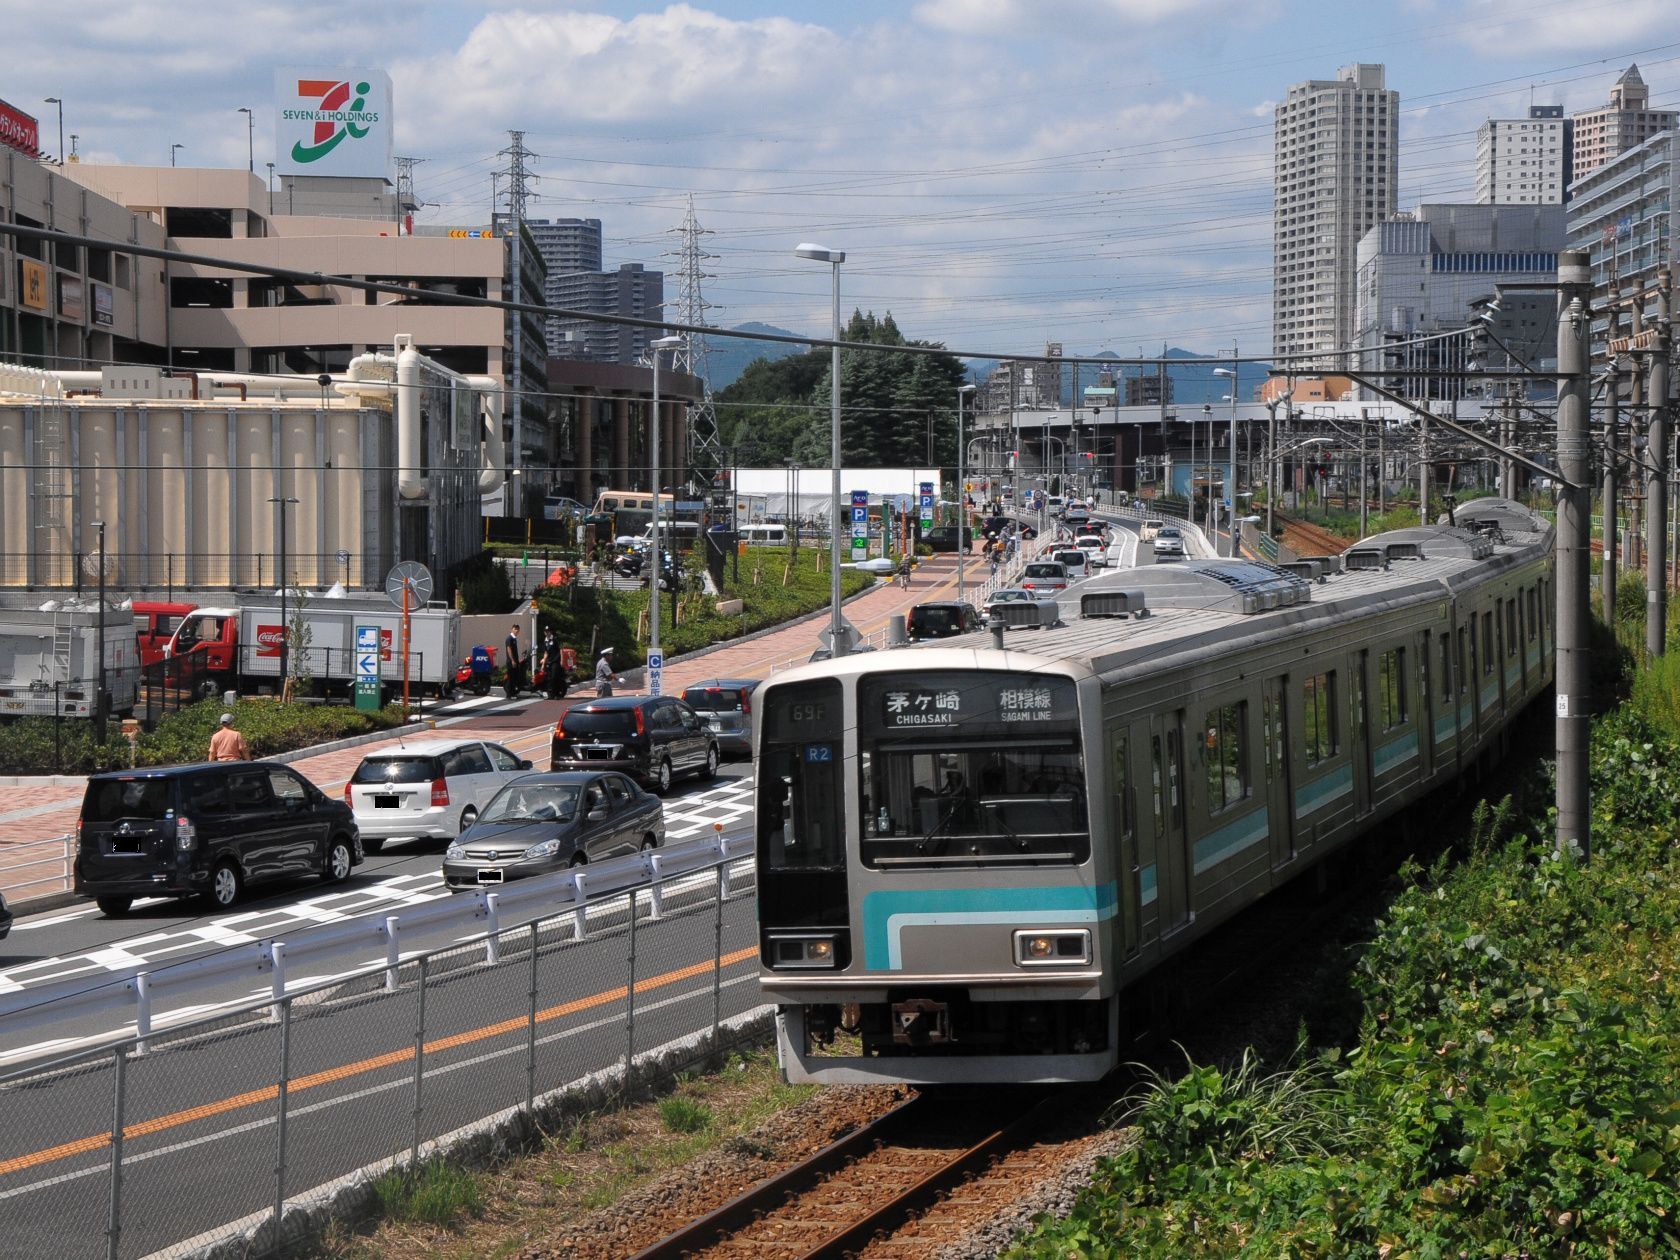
(1011, 700)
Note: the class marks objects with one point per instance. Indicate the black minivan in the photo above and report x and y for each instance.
(207, 830)
(651, 738)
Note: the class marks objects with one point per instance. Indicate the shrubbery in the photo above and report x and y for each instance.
(1513, 1088)
(29, 745)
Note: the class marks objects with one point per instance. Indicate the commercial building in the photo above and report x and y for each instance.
(1016, 384)
(631, 291)
(1625, 123)
(1335, 173)
(601, 415)
(1422, 273)
(1526, 161)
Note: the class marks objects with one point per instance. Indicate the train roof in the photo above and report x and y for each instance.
(1142, 617)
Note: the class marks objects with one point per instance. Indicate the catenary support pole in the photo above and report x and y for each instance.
(1609, 529)
(1574, 525)
(1656, 485)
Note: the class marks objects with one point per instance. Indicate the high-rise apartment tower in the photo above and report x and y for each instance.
(1525, 161)
(1625, 123)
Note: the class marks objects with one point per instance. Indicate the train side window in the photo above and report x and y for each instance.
(1446, 667)
(1533, 613)
(1487, 644)
(1392, 688)
(1510, 627)
(1463, 673)
(1227, 766)
(1318, 705)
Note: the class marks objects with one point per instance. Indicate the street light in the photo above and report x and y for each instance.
(250, 138)
(1231, 466)
(656, 659)
(836, 627)
(270, 166)
(172, 149)
(962, 497)
(53, 100)
(285, 630)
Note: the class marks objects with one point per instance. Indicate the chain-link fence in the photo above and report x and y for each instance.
(217, 1129)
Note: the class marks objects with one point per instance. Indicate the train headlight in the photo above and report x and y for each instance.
(811, 951)
(1056, 947)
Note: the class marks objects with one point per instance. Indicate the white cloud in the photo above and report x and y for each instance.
(1076, 19)
(1520, 28)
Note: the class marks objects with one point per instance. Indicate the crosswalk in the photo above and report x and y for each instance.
(693, 816)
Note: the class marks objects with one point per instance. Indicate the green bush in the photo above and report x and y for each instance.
(485, 589)
(27, 746)
(1512, 1090)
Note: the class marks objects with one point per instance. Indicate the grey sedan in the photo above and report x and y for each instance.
(541, 823)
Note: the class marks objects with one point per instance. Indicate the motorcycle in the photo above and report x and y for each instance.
(628, 564)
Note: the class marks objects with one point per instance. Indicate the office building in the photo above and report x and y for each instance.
(1335, 172)
(1625, 123)
(1425, 272)
(631, 291)
(1526, 161)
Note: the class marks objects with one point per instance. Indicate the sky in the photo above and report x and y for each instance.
(1001, 173)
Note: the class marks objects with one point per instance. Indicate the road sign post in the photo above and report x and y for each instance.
(367, 668)
(656, 673)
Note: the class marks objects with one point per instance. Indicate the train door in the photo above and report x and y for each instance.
(1172, 862)
(1128, 867)
(1360, 726)
(1426, 710)
(1280, 797)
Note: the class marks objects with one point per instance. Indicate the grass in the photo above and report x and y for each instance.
(591, 1163)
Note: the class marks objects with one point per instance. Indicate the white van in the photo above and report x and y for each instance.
(764, 535)
(674, 535)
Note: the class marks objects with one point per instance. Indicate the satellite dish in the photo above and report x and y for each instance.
(410, 576)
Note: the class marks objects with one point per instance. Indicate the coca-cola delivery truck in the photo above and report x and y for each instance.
(240, 647)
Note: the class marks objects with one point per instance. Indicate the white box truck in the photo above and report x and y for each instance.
(49, 660)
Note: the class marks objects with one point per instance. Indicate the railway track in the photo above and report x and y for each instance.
(868, 1184)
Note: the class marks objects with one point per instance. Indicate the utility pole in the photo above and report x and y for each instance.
(1574, 693)
(1656, 464)
(1636, 409)
(1364, 497)
(1613, 400)
(407, 202)
(1423, 468)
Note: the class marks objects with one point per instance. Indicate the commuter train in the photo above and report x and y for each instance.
(973, 853)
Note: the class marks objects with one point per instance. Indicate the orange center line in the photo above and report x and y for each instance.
(268, 1093)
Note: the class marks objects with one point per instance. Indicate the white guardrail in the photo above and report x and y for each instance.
(129, 994)
(58, 852)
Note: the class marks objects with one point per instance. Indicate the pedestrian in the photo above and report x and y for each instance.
(227, 744)
(513, 675)
(553, 676)
(604, 673)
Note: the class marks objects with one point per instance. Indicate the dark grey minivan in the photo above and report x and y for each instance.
(207, 830)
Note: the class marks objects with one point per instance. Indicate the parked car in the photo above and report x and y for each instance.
(725, 706)
(540, 823)
(651, 738)
(1095, 549)
(432, 789)
(940, 619)
(1169, 541)
(944, 538)
(5, 918)
(1073, 560)
(207, 830)
(557, 507)
(1045, 577)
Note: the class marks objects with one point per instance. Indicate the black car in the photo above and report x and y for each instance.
(651, 738)
(5, 918)
(207, 830)
(725, 705)
(540, 823)
(944, 538)
(939, 619)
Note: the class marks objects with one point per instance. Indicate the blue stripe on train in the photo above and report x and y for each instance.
(886, 913)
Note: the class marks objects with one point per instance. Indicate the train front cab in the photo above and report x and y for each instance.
(927, 878)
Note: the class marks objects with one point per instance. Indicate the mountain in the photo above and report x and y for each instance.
(729, 356)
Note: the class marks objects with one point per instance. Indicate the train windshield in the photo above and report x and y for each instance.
(966, 769)
(800, 810)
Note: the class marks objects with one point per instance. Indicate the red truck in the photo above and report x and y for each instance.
(155, 624)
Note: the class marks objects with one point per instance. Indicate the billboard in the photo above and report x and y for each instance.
(32, 284)
(19, 130)
(333, 122)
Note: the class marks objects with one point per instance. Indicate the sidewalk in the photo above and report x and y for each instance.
(38, 813)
